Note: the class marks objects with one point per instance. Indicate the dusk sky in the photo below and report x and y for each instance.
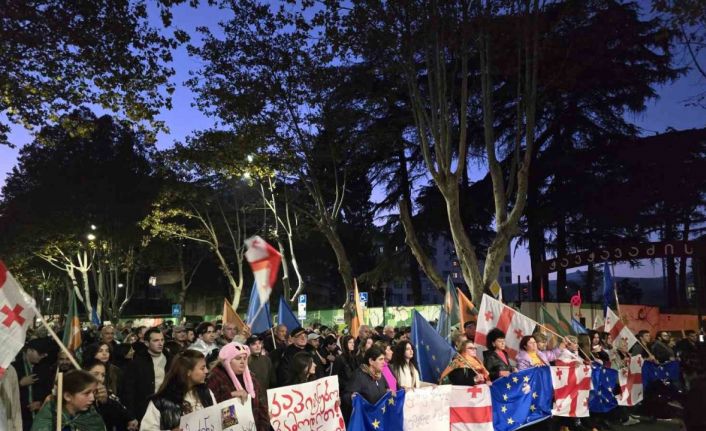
(669, 110)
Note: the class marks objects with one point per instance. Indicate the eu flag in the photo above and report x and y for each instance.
(601, 399)
(385, 415)
(285, 316)
(577, 327)
(668, 373)
(522, 398)
(258, 317)
(433, 352)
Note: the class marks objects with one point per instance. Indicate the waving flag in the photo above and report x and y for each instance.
(668, 373)
(230, 316)
(618, 330)
(433, 352)
(522, 398)
(515, 325)
(451, 309)
(357, 318)
(264, 261)
(72, 329)
(385, 415)
(577, 327)
(608, 289)
(467, 308)
(602, 399)
(551, 322)
(470, 408)
(630, 379)
(571, 389)
(16, 314)
(285, 316)
(258, 313)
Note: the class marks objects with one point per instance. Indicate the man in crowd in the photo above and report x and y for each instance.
(314, 341)
(469, 329)
(228, 332)
(280, 341)
(206, 341)
(261, 366)
(179, 333)
(639, 348)
(363, 334)
(660, 348)
(145, 373)
(35, 382)
(284, 367)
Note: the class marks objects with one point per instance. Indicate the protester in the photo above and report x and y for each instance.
(78, 412)
(145, 373)
(180, 336)
(280, 341)
(329, 350)
(469, 329)
(10, 411)
(190, 336)
(345, 365)
(303, 368)
(364, 345)
(206, 341)
(386, 372)
(530, 356)
(660, 348)
(643, 336)
(35, 382)
(466, 369)
(367, 380)
(598, 348)
(496, 359)
(232, 378)
(260, 365)
(403, 366)
(114, 413)
(101, 351)
(314, 342)
(228, 332)
(183, 391)
(299, 343)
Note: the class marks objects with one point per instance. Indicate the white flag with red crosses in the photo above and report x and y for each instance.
(470, 408)
(495, 314)
(572, 386)
(630, 379)
(16, 314)
(618, 330)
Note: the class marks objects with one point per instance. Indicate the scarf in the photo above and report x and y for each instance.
(230, 351)
(375, 375)
(83, 421)
(466, 361)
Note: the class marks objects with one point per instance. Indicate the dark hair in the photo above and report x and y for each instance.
(87, 365)
(301, 362)
(525, 340)
(398, 359)
(642, 332)
(203, 328)
(149, 332)
(494, 335)
(76, 381)
(689, 332)
(372, 353)
(90, 351)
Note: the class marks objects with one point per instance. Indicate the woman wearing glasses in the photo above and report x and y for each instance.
(466, 369)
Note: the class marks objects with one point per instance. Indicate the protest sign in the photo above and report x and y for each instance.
(427, 409)
(230, 415)
(308, 406)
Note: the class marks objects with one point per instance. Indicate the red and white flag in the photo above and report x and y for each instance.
(618, 330)
(264, 261)
(515, 325)
(16, 314)
(470, 408)
(630, 379)
(572, 386)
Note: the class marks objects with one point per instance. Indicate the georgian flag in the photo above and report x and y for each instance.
(515, 325)
(618, 330)
(630, 379)
(264, 261)
(16, 314)
(470, 408)
(572, 386)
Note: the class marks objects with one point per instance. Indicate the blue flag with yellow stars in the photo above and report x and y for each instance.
(385, 415)
(433, 352)
(522, 398)
(601, 399)
(668, 372)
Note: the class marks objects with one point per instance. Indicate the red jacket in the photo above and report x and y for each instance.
(220, 384)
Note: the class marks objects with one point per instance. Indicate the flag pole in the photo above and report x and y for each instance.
(55, 337)
(560, 337)
(59, 400)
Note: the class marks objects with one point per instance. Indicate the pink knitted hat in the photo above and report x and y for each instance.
(230, 351)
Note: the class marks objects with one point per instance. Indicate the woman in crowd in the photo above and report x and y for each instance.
(78, 413)
(102, 352)
(530, 356)
(346, 363)
(114, 414)
(368, 381)
(232, 378)
(303, 368)
(362, 348)
(466, 369)
(404, 367)
(386, 372)
(183, 391)
(598, 348)
(496, 359)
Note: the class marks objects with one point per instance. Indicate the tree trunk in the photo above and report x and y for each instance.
(413, 266)
(344, 264)
(561, 292)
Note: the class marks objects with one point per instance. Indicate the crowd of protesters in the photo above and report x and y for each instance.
(147, 378)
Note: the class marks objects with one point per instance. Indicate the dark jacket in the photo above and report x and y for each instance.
(220, 384)
(344, 367)
(138, 382)
(662, 352)
(35, 392)
(284, 368)
(494, 364)
(170, 411)
(365, 386)
(263, 371)
(271, 346)
(637, 349)
(114, 414)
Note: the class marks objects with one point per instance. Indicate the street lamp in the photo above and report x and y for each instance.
(250, 158)
(93, 227)
(91, 237)
(120, 285)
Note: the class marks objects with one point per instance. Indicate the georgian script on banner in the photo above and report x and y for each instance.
(308, 406)
(230, 415)
(427, 408)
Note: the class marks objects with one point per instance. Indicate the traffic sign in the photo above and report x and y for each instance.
(302, 298)
(176, 310)
(364, 297)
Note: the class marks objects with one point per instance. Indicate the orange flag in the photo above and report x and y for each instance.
(230, 316)
(357, 312)
(466, 308)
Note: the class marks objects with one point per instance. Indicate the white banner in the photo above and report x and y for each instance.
(309, 406)
(427, 408)
(230, 415)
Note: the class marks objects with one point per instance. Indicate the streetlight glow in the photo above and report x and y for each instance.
(93, 227)
(120, 285)
(250, 158)
(91, 237)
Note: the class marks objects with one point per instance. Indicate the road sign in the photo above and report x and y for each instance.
(301, 311)
(176, 310)
(302, 298)
(364, 298)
